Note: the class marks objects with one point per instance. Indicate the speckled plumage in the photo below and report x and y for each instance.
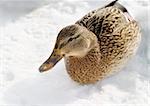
(97, 45)
(118, 39)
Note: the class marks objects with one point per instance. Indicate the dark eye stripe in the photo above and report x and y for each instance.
(65, 43)
(70, 39)
(73, 38)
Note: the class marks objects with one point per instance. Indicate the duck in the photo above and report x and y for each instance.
(97, 45)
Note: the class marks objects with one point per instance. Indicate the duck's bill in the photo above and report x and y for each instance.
(50, 62)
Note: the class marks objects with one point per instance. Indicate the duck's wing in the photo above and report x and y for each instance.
(122, 43)
(105, 19)
(88, 16)
(83, 21)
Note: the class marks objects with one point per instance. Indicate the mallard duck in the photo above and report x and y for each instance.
(97, 45)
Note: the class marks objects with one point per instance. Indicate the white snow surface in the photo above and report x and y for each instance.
(27, 39)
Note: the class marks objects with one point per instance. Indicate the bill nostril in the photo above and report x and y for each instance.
(51, 61)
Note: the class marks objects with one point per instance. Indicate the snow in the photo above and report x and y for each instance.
(28, 35)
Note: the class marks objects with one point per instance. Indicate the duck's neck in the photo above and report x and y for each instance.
(89, 61)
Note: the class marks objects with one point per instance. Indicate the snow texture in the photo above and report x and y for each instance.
(28, 31)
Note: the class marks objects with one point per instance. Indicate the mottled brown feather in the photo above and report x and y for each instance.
(118, 39)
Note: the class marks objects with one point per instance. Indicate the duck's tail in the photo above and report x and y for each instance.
(115, 3)
(121, 7)
(112, 3)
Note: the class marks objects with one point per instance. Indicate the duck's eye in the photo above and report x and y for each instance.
(70, 39)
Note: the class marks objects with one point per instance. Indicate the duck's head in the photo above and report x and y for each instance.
(73, 40)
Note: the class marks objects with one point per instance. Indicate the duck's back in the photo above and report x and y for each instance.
(103, 21)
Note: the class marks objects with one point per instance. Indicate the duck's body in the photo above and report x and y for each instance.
(117, 39)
